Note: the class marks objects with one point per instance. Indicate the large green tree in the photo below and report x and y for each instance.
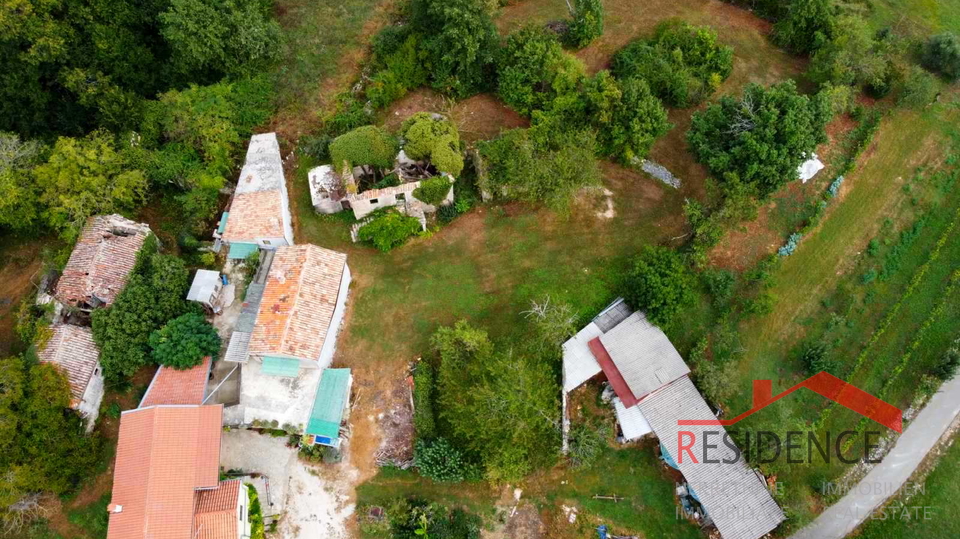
(627, 117)
(43, 444)
(85, 177)
(153, 296)
(759, 139)
(499, 406)
(533, 70)
(807, 26)
(184, 341)
(221, 37)
(19, 206)
(364, 146)
(460, 42)
(436, 139)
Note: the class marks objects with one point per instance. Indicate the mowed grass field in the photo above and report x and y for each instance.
(916, 17)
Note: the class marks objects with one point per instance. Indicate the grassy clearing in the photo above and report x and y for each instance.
(918, 18)
(938, 496)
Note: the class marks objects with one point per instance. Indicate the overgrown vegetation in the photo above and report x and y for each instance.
(683, 64)
(659, 284)
(184, 341)
(389, 229)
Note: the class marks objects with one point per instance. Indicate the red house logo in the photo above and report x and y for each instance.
(823, 383)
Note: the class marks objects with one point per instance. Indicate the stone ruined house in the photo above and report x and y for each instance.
(72, 350)
(166, 480)
(331, 192)
(259, 215)
(293, 337)
(101, 262)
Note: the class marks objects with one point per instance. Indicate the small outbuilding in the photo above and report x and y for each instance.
(205, 289)
(330, 407)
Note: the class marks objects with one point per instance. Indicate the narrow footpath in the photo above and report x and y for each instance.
(896, 468)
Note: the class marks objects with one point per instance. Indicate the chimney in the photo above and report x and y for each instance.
(114, 508)
(762, 392)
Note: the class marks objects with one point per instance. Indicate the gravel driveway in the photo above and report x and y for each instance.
(314, 500)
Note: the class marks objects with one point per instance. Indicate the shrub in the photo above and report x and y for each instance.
(815, 358)
(389, 229)
(184, 341)
(255, 514)
(433, 191)
(919, 89)
(587, 23)
(432, 137)
(587, 444)
(439, 461)
(423, 420)
(941, 54)
(659, 284)
(853, 57)
(719, 283)
(760, 139)
(808, 25)
(683, 64)
(947, 365)
(367, 145)
(627, 117)
(402, 69)
(520, 167)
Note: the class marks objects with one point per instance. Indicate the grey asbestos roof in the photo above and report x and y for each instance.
(609, 318)
(733, 495)
(643, 354)
(263, 168)
(579, 365)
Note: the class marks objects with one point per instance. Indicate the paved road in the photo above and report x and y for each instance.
(887, 477)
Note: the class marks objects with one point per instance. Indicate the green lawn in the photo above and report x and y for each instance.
(931, 513)
(916, 17)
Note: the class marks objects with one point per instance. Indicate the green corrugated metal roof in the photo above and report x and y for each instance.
(328, 406)
(241, 250)
(223, 222)
(280, 366)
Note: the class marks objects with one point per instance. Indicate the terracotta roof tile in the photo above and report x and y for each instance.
(215, 511)
(164, 454)
(71, 348)
(102, 260)
(170, 386)
(255, 215)
(298, 302)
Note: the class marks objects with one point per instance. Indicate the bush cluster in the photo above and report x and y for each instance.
(683, 64)
(433, 138)
(587, 23)
(659, 284)
(414, 518)
(367, 145)
(941, 54)
(423, 385)
(183, 342)
(433, 190)
(389, 229)
(438, 460)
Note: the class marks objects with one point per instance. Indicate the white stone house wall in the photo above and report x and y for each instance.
(330, 340)
(243, 512)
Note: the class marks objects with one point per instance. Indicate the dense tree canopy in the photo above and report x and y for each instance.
(85, 177)
(433, 138)
(659, 284)
(184, 341)
(852, 57)
(67, 67)
(683, 64)
(533, 70)
(807, 25)
(499, 407)
(19, 207)
(627, 117)
(43, 446)
(153, 295)
(761, 138)
(460, 41)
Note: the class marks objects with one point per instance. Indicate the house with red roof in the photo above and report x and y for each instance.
(166, 482)
(72, 350)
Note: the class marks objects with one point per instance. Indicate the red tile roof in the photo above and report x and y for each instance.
(215, 511)
(298, 302)
(170, 386)
(255, 215)
(616, 380)
(102, 260)
(71, 348)
(164, 454)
